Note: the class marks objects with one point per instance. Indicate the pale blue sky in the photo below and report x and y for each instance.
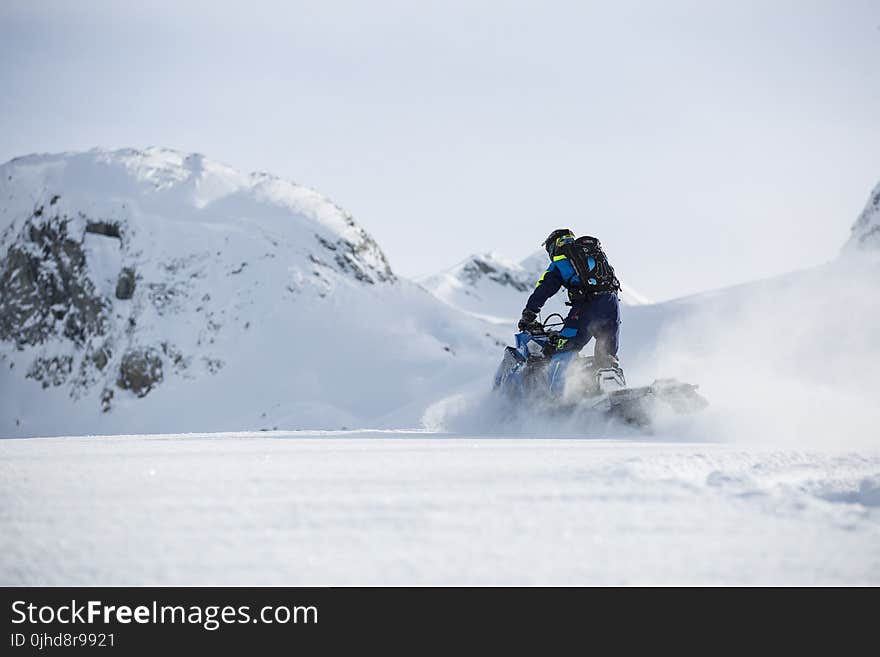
(706, 143)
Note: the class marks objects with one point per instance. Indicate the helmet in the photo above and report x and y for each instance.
(556, 239)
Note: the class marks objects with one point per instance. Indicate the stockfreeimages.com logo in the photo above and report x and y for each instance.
(210, 617)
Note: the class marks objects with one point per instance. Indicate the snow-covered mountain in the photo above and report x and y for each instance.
(495, 288)
(488, 286)
(865, 234)
(154, 290)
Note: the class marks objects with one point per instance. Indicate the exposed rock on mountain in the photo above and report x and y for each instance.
(865, 234)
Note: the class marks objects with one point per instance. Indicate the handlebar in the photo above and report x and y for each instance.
(548, 323)
(547, 327)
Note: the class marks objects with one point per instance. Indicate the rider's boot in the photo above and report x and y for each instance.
(609, 375)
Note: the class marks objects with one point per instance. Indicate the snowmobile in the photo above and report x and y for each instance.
(524, 376)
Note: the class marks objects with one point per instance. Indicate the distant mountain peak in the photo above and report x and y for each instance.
(495, 268)
(491, 286)
(865, 232)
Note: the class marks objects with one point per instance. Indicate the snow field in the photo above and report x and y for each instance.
(398, 508)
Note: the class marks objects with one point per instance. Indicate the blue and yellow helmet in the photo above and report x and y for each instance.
(556, 240)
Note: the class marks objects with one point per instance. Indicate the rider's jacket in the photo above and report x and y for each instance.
(559, 273)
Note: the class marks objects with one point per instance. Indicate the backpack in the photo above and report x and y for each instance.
(591, 266)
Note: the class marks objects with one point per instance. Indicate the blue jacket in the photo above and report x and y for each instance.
(559, 273)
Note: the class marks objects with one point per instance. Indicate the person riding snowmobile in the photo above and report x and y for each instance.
(579, 265)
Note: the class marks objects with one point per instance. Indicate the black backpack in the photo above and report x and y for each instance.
(599, 278)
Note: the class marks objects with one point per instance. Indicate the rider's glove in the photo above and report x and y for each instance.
(527, 321)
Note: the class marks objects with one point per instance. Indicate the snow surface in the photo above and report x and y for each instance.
(374, 508)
